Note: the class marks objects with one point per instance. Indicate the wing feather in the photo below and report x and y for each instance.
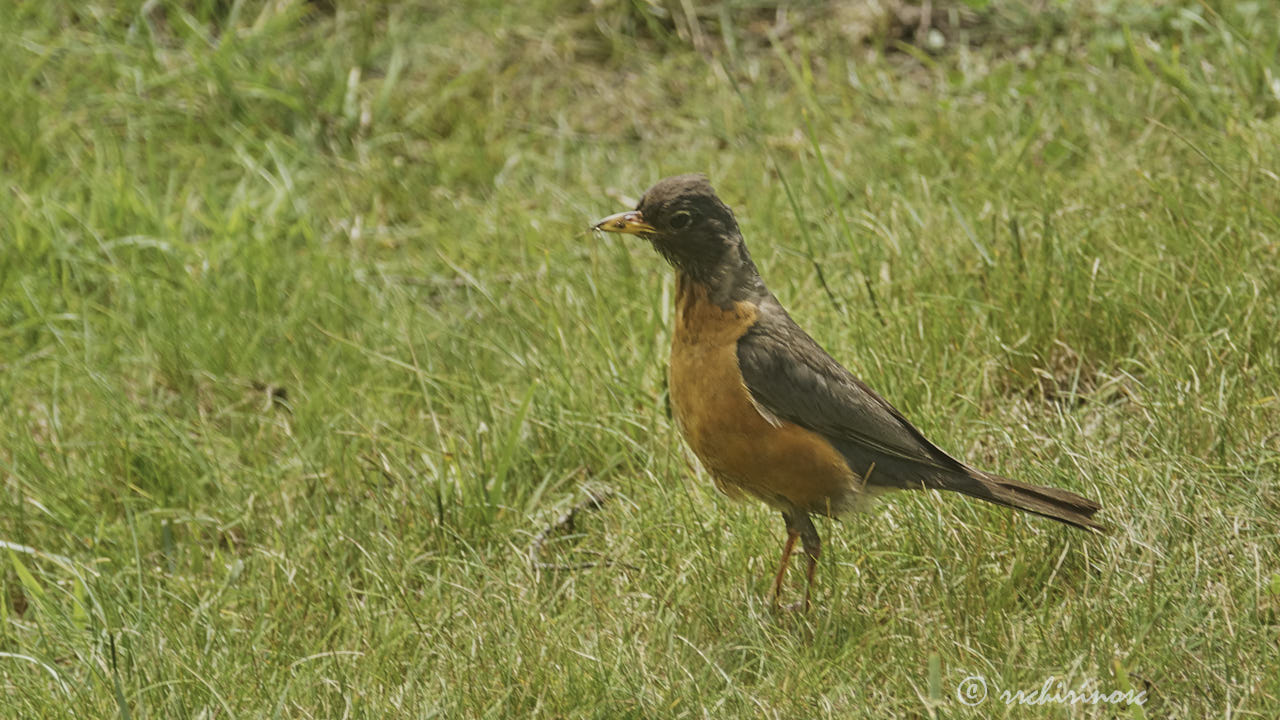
(794, 379)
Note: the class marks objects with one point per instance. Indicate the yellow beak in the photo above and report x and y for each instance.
(630, 222)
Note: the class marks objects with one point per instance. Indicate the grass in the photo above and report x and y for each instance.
(304, 348)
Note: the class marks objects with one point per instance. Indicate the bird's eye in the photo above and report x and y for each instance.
(681, 220)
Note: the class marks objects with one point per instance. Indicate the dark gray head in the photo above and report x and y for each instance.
(685, 221)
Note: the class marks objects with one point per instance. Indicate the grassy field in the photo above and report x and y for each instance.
(306, 358)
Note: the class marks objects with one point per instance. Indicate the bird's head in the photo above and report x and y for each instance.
(685, 221)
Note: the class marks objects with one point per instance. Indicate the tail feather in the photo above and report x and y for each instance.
(1061, 505)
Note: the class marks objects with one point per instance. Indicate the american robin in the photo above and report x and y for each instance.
(768, 412)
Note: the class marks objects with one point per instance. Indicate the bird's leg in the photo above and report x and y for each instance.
(801, 525)
(786, 557)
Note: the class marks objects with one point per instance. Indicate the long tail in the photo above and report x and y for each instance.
(1061, 505)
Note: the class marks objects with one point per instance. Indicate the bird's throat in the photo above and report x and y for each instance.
(729, 279)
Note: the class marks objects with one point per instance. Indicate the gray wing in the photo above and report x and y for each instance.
(789, 375)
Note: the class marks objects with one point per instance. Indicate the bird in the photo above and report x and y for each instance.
(768, 412)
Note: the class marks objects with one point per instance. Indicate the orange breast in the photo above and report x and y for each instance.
(779, 462)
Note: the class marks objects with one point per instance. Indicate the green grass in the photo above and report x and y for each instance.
(303, 345)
